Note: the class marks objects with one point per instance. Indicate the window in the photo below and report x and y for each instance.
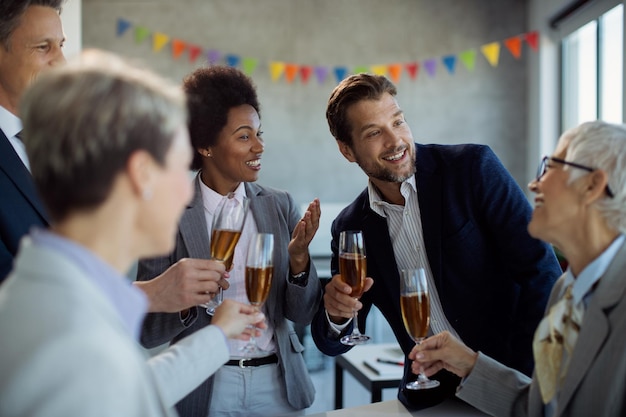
(592, 58)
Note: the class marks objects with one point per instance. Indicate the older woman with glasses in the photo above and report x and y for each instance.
(580, 207)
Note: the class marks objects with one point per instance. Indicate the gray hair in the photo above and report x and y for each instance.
(82, 122)
(602, 145)
(11, 12)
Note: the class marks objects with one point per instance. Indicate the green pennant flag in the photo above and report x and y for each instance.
(141, 33)
(249, 65)
(468, 58)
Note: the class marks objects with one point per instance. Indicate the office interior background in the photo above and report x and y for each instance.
(517, 105)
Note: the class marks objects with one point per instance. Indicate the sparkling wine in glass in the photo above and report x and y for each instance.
(415, 305)
(228, 221)
(259, 271)
(353, 271)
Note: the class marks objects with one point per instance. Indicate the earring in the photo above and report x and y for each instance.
(208, 154)
(146, 194)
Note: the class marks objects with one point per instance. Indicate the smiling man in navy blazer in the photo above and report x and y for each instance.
(31, 40)
(452, 209)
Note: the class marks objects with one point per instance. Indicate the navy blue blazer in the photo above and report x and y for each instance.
(20, 206)
(492, 277)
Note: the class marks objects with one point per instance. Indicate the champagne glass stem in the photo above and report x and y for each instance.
(355, 329)
(215, 302)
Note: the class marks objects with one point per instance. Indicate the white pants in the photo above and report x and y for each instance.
(253, 391)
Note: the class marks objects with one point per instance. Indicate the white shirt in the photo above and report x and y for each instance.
(11, 125)
(237, 280)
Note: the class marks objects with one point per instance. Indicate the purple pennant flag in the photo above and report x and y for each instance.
(122, 26)
(431, 67)
(321, 73)
(233, 60)
(213, 56)
(449, 61)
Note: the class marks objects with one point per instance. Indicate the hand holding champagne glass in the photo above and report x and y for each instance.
(259, 271)
(415, 305)
(228, 221)
(353, 271)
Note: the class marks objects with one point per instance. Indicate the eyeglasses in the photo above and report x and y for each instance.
(543, 167)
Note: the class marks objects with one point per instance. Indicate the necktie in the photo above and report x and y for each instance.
(554, 343)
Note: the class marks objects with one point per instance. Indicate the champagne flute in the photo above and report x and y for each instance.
(415, 305)
(353, 271)
(228, 221)
(259, 271)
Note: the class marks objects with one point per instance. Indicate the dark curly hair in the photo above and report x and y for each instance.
(211, 93)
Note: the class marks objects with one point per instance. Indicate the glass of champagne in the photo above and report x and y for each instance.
(259, 271)
(353, 271)
(415, 305)
(228, 221)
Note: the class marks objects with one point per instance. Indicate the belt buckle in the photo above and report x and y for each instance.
(241, 363)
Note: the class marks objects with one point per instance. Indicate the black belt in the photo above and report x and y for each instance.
(245, 363)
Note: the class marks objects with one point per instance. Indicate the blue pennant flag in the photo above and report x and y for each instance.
(122, 26)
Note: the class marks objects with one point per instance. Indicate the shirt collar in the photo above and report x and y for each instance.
(211, 198)
(10, 124)
(377, 204)
(592, 273)
(130, 302)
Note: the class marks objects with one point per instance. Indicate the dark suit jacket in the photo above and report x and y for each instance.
(274, 212)
(493, 279)
(20, 206)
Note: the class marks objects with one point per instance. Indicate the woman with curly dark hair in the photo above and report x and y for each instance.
(225, 130)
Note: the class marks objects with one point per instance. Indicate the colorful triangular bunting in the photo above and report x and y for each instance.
(321, 73)
(232, 60)
(341, 73)
(532, 38)
(178, 47)
(248, 65)
(159, 40)
(276, 69)
(395, 70)
(194, 52)
(379, 69)
(431, 67)
(213, 56)
(491, 51)
(305, 73)
(290, 72)
(412, 68)
(122, 26)
(449, 61)
(514, 45)
(468, 58)
(141, 33)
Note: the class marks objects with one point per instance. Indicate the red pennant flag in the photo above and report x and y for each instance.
(194, 52)
(178, 47)
(412, 68)
(305, 73)
(514, 45)
(533, 39)
(290, 72)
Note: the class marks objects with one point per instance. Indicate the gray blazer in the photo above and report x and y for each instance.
(66, 352)
(595, 384)
(275, 212)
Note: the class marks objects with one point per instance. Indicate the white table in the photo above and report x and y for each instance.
(394, 408)
(352, 361)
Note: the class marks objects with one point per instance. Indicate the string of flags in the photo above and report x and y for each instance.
(289, 71)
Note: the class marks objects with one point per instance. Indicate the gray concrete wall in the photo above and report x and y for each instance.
(487, 105)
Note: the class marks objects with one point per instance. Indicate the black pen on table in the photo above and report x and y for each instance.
(387, 361)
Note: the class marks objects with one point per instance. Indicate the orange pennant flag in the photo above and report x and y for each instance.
(533, 39)
(412, 68)
(290, 72)
(276, 69)
(491, 52)
(514, 45)
(194, 52)
(305, 73)
(158, 41)
(178, 47)
(379, 69)
(395, 70)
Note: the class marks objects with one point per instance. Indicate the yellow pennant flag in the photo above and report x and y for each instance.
(276, 69)
(491, 52)
(379, 69)
(158, 41)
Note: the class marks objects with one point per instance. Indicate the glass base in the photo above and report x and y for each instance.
(354, 339)
(422, 384)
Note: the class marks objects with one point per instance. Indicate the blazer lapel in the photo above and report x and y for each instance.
(16, 171)
(193, 226)
(596, 326)
(428, 182)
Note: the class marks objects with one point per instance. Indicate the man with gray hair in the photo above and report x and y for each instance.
(31, 42)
